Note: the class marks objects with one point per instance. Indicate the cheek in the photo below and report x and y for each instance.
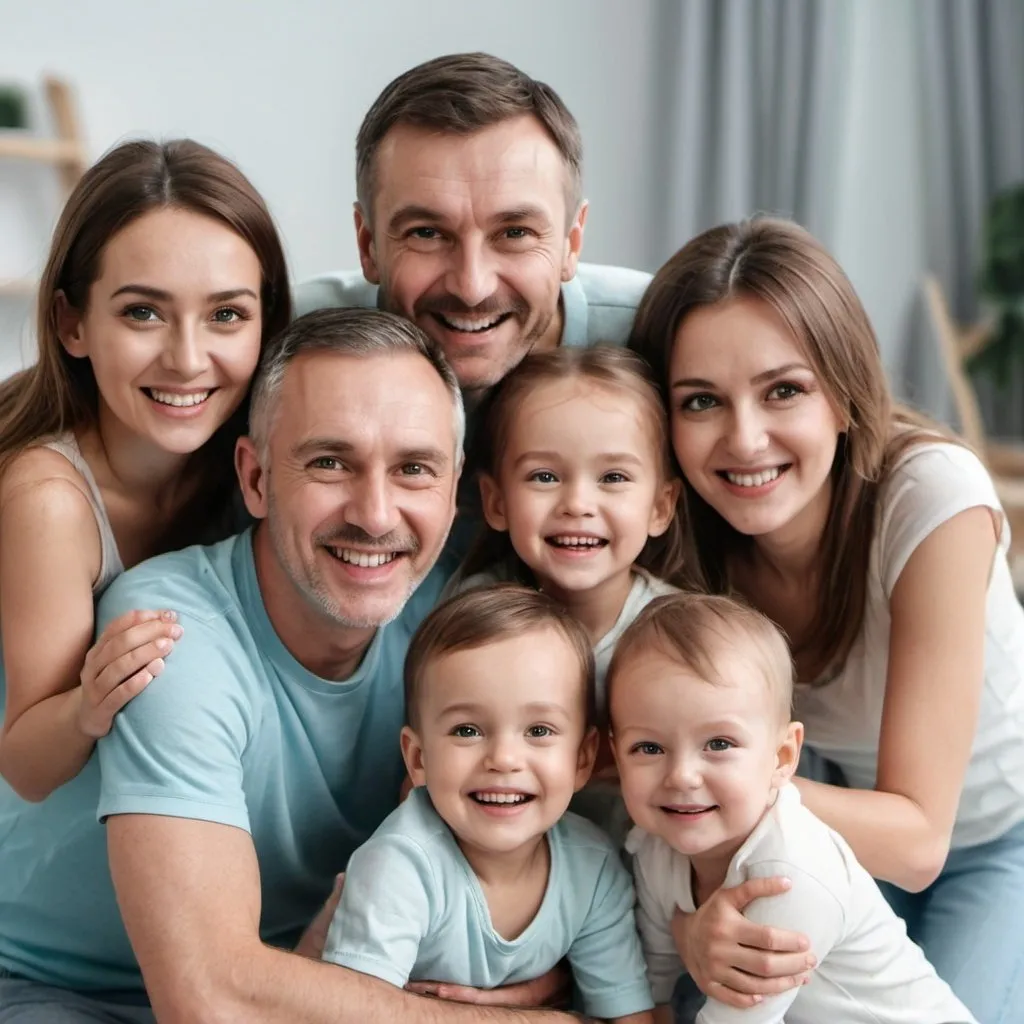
(410, 276)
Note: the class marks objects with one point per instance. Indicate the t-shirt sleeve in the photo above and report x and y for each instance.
(606, 957)
(176, 749)
(385, 910)
(654, 922)
(809, 907)
(929, 487)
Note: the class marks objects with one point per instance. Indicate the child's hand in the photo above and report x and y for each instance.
(734, 960)
(553, 989)
(128, 655)
(313, 938)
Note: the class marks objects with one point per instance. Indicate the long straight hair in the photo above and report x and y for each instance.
(58, 393)
(780, 264)
(614, 370)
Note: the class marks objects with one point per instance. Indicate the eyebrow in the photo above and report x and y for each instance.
(415, 212)
(609, 457)
(536, 707)
(161, 296)
(778, 371)
(335, 446)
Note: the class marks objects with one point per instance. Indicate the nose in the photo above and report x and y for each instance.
(748, 433)
(471, 276)
(371, 506)
(685, 773)
(503, 753)
(185, 354)
(576, 499)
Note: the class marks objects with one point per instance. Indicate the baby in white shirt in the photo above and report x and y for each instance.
(700, 691)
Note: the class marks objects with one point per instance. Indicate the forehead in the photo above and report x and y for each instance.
(390, 400)
(738, 337)
(652, 679)
(582, 413)
(539, 666)
(507, 166)
(171, 246)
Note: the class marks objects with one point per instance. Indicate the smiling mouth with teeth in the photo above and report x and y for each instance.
(504, 799)
(468, 326)
(758, 479)
(364, 559)
(574, 542)
(180, 400)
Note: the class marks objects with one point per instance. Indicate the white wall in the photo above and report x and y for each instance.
(280, 86)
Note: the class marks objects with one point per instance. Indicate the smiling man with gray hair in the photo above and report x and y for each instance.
(240, 780)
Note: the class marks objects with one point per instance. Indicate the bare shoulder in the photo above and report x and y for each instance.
(41, 488)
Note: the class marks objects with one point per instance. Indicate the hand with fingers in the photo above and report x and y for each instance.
(735, 960)
(128, 655)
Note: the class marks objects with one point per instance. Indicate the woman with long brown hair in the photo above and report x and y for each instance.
(164, 280)
(876, 541)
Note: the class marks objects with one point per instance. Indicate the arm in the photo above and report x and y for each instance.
(189, 892)
(49, 558)
(900, 831)
(810, 908)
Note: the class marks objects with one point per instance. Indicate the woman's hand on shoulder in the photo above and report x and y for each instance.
(735, 960)
(126, 658)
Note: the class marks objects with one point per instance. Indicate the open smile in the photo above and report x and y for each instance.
(576, 543)
(753, 481)
(471, 325)
(179, 399)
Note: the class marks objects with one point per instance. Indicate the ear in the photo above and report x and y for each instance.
(68, 322)
(576, 228)
(412, 754)
(787, 757)
(367, 249)
(586, 759)
(666, 502)
(252, 478)
(493, 502)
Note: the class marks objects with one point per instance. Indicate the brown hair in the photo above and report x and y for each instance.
(612, 369)
(694, 628)
(780, 264)
(486, 615)
(460, 94)
(58, 393)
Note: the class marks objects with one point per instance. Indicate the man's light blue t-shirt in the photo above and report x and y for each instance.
(412, 908)
(598, 304)
(234, 731)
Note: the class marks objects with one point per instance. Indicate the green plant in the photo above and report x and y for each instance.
(1002, 284)
(12, 107)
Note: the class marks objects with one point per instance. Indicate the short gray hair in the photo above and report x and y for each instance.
(346, 332)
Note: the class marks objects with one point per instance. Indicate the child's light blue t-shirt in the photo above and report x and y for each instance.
(234, 731)
(412, 909)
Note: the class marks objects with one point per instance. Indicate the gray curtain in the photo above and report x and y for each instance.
(972, 79)
(750, 89)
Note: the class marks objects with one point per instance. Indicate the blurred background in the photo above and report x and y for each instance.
(887, 127)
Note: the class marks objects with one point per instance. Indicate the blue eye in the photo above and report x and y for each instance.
(699, 403)
(539, 732)
(647, 748)
(141, 314)
(720, 744)
(227, 315)
(465, 732)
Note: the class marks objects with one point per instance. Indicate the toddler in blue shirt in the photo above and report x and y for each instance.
(480, 877)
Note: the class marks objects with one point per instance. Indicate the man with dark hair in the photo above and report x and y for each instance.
(470, 219)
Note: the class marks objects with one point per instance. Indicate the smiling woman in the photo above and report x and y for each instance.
(877, 542)
(165, 278)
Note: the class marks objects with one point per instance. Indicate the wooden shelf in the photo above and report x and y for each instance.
(29, 147)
